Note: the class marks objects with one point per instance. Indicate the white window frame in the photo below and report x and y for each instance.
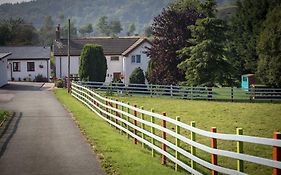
(136, 59)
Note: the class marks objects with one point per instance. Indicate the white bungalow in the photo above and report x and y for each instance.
(27, 62)
(123, 55)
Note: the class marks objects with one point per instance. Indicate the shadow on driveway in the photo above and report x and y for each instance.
(23, 86)
(8, 131)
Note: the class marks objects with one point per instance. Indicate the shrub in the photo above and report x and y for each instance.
(59, 83)
(137, 76)
(93, 64)
(40, 78)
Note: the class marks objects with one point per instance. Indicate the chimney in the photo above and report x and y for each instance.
(58, 33)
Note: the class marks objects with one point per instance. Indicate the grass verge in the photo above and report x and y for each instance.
(3, 116)
(117, 153)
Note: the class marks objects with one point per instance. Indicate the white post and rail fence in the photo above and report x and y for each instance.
(140, 125)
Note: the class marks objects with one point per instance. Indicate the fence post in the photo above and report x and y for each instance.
(231, 94)
(192, 148)
(210, 93)
(122, 115)
(171, 90)
(106, 109)
(128, 120)
(277, 153)
(163, 160)
(240, 163)
(135, 123)
(150, 89)
(142, 127)
(117, 114)
(177, 143)
(214, 156)
(191, 92)
(152, 129)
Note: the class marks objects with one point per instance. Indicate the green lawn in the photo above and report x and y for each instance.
(117, 153)
(256, 119)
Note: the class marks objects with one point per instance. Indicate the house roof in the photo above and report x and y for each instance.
(4, 55)
(111, 46)
(27, 52)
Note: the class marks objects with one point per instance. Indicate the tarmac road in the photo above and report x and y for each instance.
(41, 138)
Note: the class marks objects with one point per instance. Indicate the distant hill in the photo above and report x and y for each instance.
(141, 12)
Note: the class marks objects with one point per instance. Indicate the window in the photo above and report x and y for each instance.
(133, 59)
(30, 66)
(16, 66)
(136, 59)
(114, 58)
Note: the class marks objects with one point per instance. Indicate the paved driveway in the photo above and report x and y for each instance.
(41, 138)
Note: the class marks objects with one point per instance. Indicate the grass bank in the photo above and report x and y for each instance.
(118, 154)
(256, 119)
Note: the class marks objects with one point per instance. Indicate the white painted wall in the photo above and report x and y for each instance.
(3, 72)
(113, 66)
(130, 67)
(62, 66)
(124, 64)
(26, 74)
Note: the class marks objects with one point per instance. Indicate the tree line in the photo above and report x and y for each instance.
(16, 31)
(191, 46)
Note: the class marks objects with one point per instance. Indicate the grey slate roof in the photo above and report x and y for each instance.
(111, 46)
(4, 55)
(27, 52)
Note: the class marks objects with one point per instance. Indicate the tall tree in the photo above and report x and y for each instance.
(148, 31)
(246, 27)
(17, 32)
(93, 64)
(115, 27)
(73, 30)
(86, 29)
(205, 61)
(103, 26)
(269, 50)
(131, 29)
(5, 34)
(170, 34)
(47, 33)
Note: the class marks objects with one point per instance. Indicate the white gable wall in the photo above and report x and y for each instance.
(113, 67)
(24, 74)
(129, 67)
(3, 72)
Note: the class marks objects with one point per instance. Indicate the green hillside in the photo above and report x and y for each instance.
(88, 11)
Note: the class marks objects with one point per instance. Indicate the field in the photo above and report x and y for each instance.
(257, 119)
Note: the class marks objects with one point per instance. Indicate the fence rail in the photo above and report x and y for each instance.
(186, 92)
(124, 117)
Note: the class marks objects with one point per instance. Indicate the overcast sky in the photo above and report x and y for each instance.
(11, 1)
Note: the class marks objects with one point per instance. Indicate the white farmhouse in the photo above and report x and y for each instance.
(123, 55)
(3, 68)
(27, 62)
